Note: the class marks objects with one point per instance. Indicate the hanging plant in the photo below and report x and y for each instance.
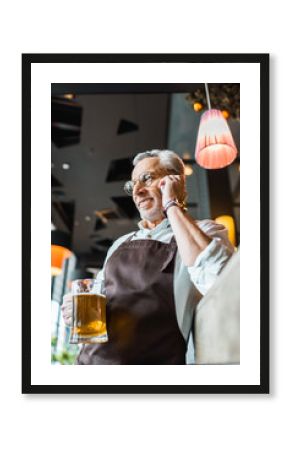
(225, 97)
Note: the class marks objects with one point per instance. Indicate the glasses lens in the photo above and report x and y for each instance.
(128, 187)
(146, 178)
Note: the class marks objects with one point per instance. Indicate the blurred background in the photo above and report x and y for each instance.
(96, 130)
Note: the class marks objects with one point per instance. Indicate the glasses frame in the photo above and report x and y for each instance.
(130, 184)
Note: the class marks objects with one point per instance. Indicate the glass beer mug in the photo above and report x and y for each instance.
(88, 312)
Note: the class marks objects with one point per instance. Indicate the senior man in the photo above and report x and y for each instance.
(155, 276)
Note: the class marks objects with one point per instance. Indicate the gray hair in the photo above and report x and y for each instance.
(168, 159)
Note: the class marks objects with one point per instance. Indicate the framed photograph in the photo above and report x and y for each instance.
(202, 326)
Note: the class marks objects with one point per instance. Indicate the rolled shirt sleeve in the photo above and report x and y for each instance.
(213, 258)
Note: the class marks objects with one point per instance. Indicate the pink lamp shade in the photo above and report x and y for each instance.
(215, 147)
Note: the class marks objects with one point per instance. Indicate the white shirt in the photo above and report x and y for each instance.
(188, 282)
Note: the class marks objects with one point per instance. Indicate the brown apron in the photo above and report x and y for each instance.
(141, 318)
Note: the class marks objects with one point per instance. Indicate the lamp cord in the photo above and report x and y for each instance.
(207, 96)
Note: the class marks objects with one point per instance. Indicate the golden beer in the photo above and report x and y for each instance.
(89, 318)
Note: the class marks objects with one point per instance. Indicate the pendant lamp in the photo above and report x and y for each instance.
(229, 224)
(215, 147)
(60, 250)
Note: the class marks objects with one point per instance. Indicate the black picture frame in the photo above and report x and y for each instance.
(263, 61)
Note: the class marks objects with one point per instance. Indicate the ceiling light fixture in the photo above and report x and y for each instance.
(188, 170)
(66, 166)
(69, 96)
(215, 147)
(197, 106)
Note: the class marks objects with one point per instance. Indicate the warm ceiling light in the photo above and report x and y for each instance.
(229, 224)
(215, 147)
(60, 250)
(188, 170)
(58, 255)
(225, 113)
(69, 96)
(197, 106)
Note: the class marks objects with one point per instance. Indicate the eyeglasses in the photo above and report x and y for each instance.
(145, 179)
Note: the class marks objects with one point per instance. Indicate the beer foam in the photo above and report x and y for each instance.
(88, 293)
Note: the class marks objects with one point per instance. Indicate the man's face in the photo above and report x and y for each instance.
(147, 196)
